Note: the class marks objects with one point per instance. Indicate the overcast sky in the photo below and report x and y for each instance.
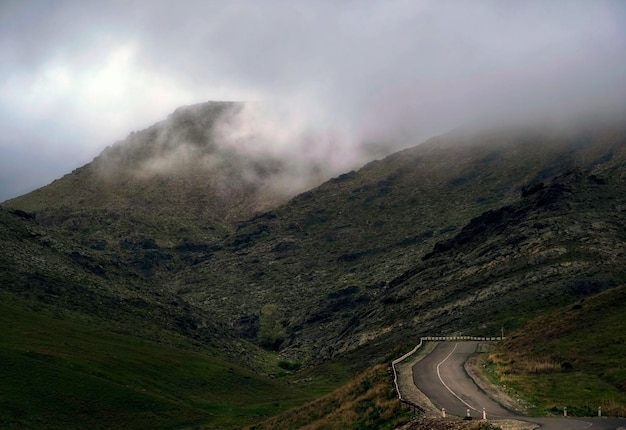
(75, 76)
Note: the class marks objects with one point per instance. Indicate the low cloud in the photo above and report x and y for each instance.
(328, 76)
(234, 145)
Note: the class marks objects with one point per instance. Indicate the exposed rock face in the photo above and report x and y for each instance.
(554, 246)
(494, 222)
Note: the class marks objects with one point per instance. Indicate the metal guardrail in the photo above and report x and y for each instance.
(461, 338)
(399, 360)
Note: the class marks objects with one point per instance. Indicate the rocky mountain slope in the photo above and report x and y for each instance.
(38, 264)
(478, 229)
(470, 232)
(472, 227)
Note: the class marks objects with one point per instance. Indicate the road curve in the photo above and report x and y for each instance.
(441, 376)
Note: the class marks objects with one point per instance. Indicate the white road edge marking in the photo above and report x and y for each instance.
(445, 385)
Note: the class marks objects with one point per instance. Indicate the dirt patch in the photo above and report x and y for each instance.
(514, 425)
(433, 423)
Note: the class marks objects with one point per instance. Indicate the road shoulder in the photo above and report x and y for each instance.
(473, 367)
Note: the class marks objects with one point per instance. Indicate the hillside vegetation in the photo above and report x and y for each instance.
(62, 370)
(573, 358)
(173, 238)
(367, 402)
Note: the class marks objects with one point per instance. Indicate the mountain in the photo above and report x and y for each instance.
(172, 174)
(471, 227)
(174, 236)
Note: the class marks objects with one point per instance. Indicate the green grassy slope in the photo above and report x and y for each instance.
(573, 358)
(59, 370)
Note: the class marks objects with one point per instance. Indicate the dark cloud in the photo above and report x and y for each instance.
(76, 76)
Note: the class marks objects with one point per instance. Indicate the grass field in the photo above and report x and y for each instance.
(570, 358)
(61, 372)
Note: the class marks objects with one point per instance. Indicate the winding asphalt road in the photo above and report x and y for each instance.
(441, 376)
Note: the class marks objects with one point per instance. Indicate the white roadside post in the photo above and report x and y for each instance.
(600, 411)
(565, 411)
(443, 412)
(484, 414)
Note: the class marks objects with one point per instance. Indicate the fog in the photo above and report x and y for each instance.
(230, 146)
(326, 81)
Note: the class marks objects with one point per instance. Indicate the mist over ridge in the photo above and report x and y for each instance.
(233, 144)
(77, 77)
(254, 156)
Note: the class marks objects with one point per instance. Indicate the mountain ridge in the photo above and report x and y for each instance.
(471, 229)
(293, 237)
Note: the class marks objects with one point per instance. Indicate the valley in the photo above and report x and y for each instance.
(253, 301)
